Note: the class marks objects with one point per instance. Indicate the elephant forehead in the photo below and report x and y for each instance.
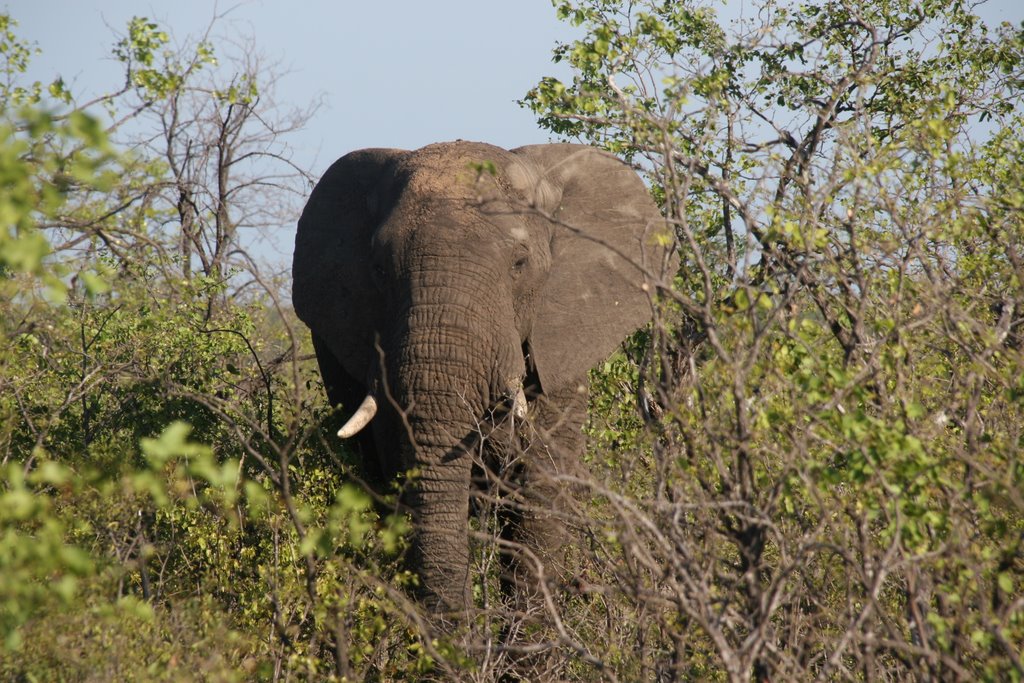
(467, 170)
(452, 195)
(426, 183)
(457, 154)
(419, 214)
(448, 235)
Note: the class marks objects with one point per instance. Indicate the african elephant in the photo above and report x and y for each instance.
(449, 286)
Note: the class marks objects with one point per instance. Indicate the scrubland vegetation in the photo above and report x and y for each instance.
(808, 466)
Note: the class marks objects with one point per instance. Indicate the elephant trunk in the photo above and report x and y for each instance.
(448, 368)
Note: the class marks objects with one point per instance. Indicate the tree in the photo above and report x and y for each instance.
(164, 493)
(827, 479)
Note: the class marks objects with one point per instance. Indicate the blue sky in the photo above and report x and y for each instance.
(395, 74)
(403, 73)
(392, 74)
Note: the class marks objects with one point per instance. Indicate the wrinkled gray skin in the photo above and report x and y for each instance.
(442, 289)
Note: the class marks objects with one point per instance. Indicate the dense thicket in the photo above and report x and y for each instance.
(830, 478)
(807, 466)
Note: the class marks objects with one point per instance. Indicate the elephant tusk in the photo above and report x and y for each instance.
(367, 409)
(519, 405)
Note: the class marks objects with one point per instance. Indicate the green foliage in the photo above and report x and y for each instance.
(39, 567)
(153, 69)
(16, 55)
(831, 447)
(37, 178)
(170, 504)
(167, 508)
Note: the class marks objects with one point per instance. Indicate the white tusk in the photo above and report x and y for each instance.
(519, 405)
(367, 409)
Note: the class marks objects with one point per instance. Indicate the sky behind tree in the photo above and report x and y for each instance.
(400, 74)
(393, 74)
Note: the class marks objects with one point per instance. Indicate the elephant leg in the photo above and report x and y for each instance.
(537, 528)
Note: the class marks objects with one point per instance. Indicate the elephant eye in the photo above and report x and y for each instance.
(520, 264)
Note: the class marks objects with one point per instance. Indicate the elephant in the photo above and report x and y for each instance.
(460, 287)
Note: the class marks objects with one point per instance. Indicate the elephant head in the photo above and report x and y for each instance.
(438, 282)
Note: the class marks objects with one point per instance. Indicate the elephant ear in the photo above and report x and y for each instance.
(604, 250)
(331, 278)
